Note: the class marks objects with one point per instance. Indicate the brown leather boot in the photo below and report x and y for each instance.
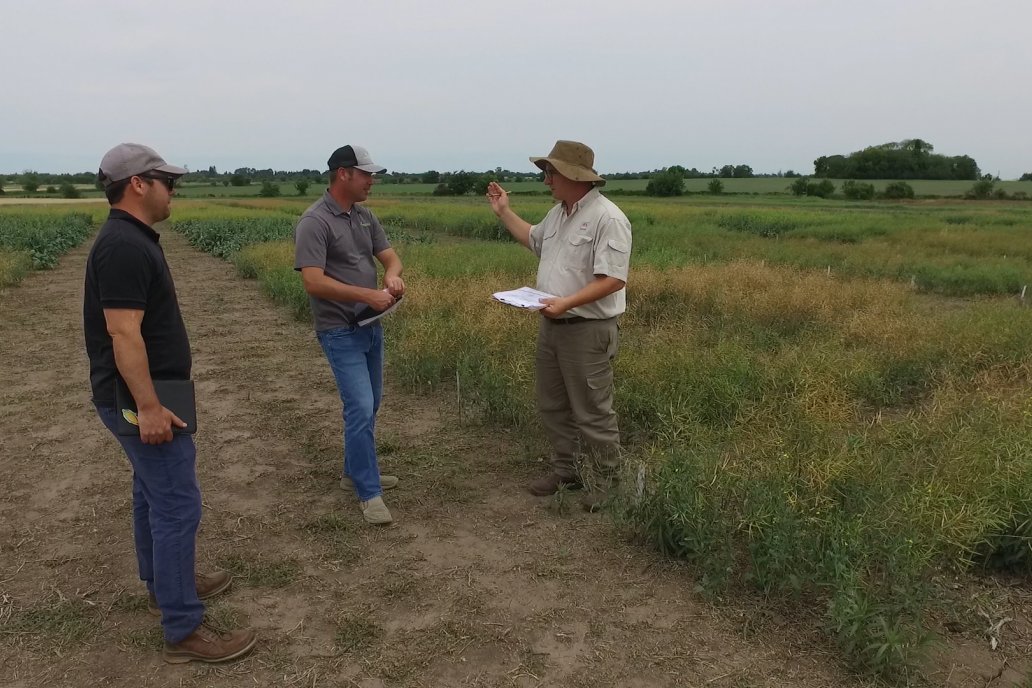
(206, 644)
(552, 483)
(208, 585)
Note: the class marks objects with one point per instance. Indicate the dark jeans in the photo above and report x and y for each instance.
(166, 513)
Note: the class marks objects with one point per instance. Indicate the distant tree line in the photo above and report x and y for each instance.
(908, 159)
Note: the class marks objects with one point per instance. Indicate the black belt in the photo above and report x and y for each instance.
(572, 320)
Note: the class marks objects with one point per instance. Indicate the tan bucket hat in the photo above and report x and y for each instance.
(573, 160)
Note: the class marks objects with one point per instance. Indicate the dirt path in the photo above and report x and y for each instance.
(478, 584)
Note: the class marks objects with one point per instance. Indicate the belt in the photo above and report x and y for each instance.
(572, 320)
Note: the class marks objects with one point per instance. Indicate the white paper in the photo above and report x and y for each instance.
(367, 317)
(524, 297)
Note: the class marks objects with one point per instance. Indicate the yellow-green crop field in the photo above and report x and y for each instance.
(826, 401)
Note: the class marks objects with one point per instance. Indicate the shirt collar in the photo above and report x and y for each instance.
(585, 200)
(119, 214)
(334, 207)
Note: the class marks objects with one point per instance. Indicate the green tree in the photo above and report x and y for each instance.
(804, 186)
(857, 191)
(269, 190)
(982, 189)
(668, 182)
(715, 186)
(68, 190)
(460, 183)
(898, 190)
(798, 187)
(301, 186)
(480, 187)
(1027, 177)
(430, 177)
(742, 172)
(916, 146)
(29, 182)
(821, 189)
(239, 180)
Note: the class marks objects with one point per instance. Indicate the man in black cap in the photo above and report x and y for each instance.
(134, 331)
(336, 240)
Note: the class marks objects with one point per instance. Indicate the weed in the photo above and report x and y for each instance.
(259, 573)
(56, 620)
(355, 633)
(335, 531)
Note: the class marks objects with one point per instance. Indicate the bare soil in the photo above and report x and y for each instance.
(477, 584)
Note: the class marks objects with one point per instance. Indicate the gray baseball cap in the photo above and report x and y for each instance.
(130, 159)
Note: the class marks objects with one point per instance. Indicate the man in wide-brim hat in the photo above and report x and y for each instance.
(584, 244)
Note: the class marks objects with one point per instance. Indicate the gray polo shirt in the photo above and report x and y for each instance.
(344, 245)
(594, 239)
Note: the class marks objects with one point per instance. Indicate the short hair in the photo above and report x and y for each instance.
(116, 191)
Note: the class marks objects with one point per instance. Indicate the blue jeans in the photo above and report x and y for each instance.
(166, 513)
(355, 355)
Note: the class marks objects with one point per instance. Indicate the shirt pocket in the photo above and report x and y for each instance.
(578, 254)
(549, 249)
(615, 255)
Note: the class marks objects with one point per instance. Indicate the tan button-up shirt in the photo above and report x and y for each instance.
(593, 239)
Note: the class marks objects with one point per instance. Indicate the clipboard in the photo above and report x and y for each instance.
(175, 395)
(369, 315)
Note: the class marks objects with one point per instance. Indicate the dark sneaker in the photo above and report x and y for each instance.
(552, 483)
(206, 644)
(208, 585)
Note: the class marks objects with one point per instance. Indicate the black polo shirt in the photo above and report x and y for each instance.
(126, 268)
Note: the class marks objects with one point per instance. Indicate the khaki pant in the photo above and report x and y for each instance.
(575, 395)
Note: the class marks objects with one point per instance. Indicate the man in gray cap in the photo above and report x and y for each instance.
(584, 244)
(336, 240)
(135, 333)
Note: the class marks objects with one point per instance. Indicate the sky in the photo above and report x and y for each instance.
(450, 85)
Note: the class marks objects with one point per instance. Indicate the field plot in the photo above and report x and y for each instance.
(780, 390)
(31, 239)
(828, 405)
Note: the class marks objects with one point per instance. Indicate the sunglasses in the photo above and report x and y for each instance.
(169, 182)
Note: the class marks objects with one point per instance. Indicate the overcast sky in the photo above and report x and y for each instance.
(452, 85)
